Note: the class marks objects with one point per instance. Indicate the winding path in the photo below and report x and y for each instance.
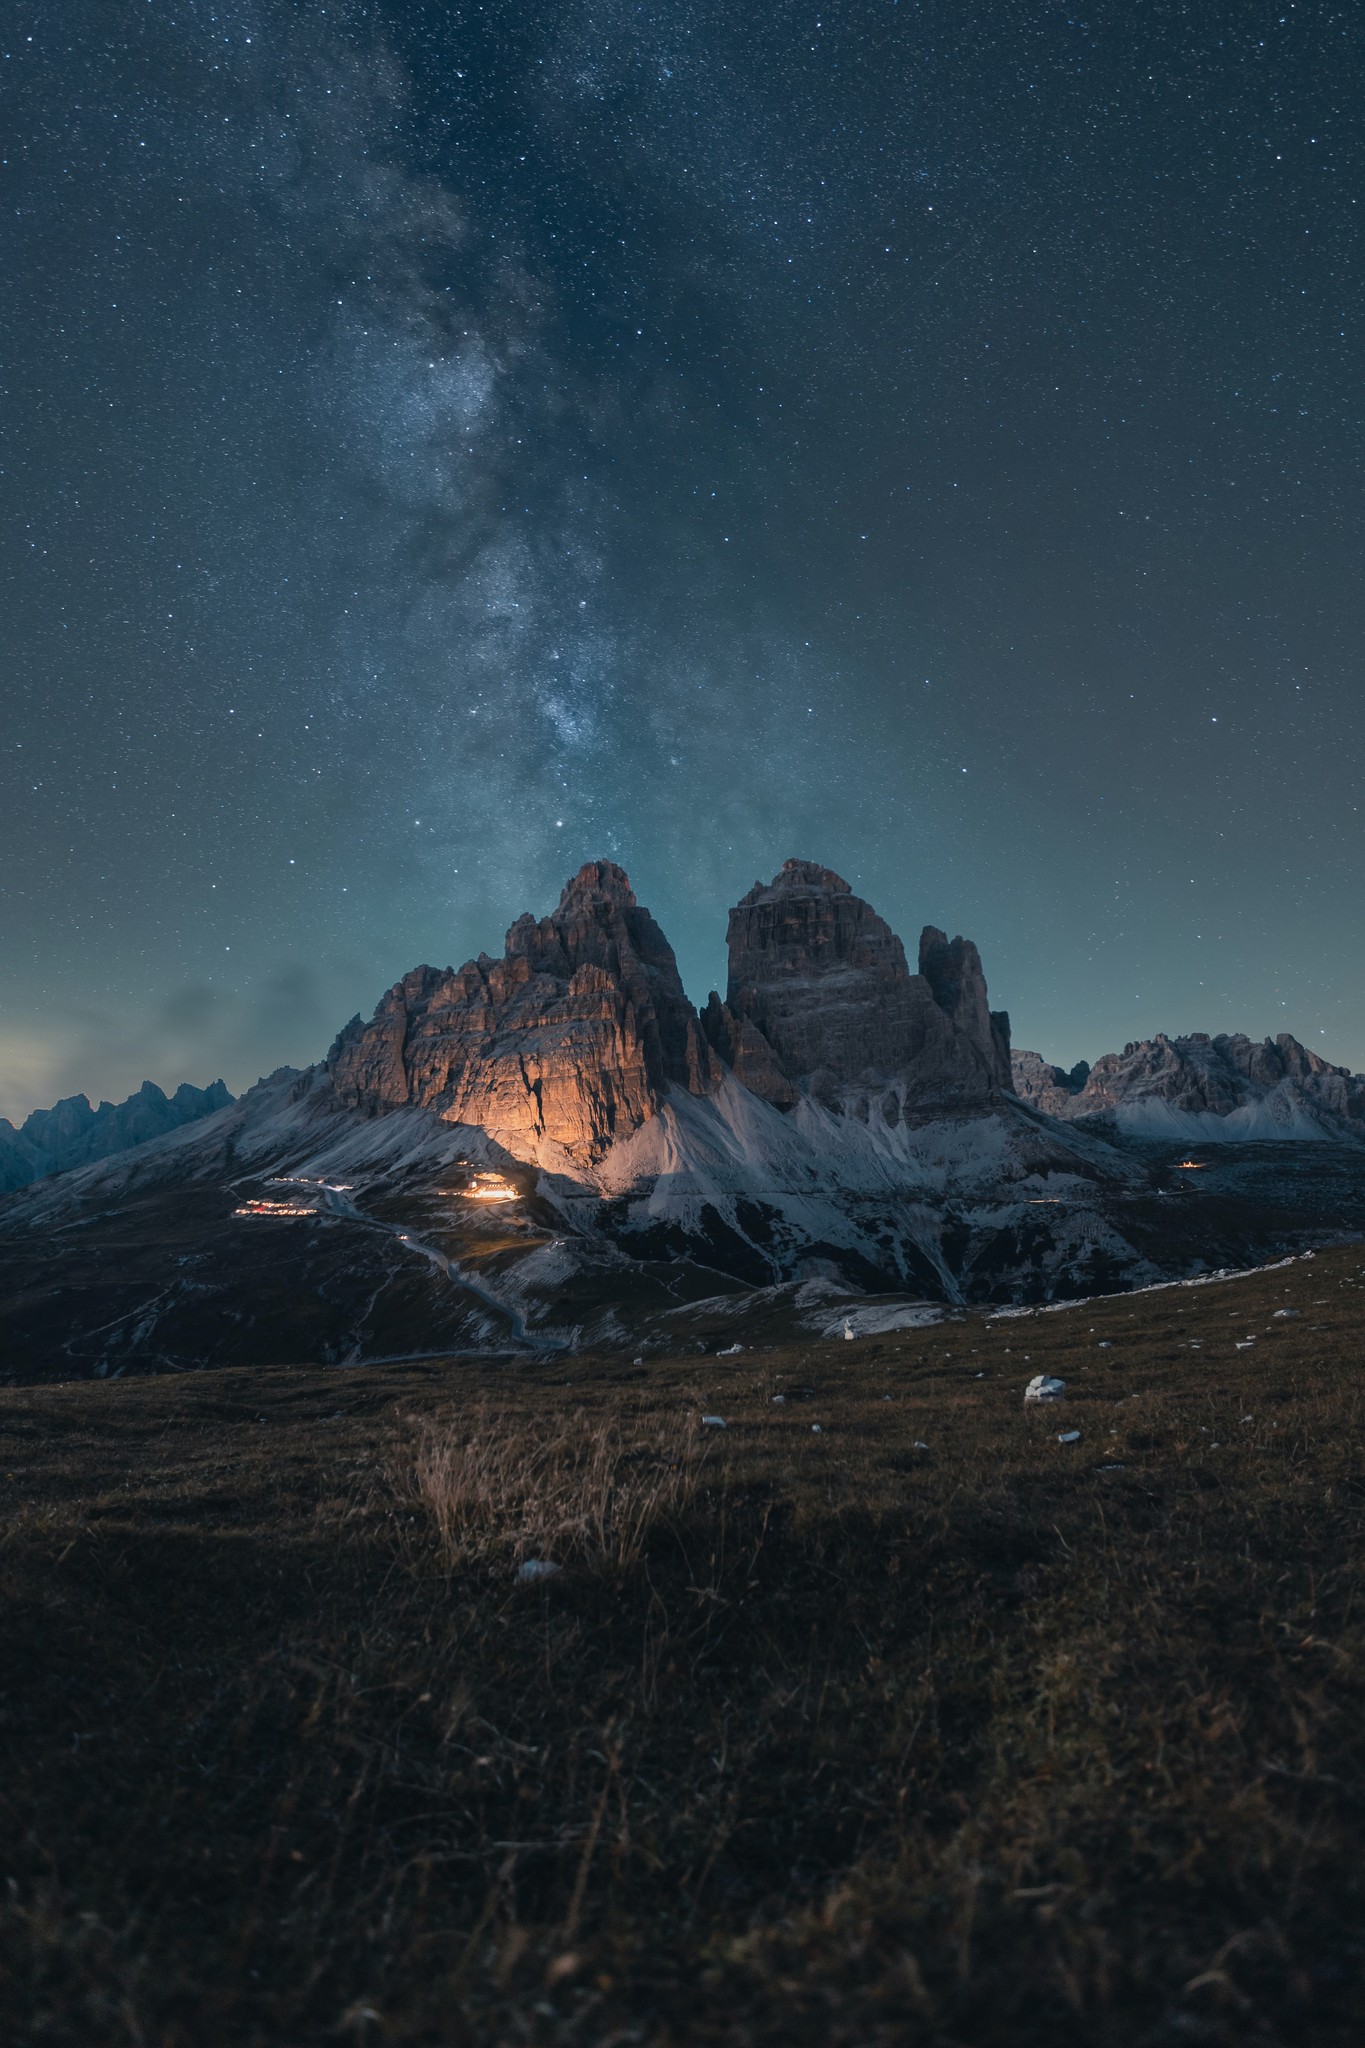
(455, 1274)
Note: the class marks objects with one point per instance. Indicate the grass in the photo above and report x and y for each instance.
(817, 1737)
(588, 1490)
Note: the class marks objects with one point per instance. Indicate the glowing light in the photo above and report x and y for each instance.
(274, 1209)
(490, 1187)
(301, 1180)
(1191, 1165)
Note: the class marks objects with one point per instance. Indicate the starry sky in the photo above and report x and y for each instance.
(443, 443)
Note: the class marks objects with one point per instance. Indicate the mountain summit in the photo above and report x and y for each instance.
(1224, 1087)
(564, 1044)
(825, 981)
(574, 1037)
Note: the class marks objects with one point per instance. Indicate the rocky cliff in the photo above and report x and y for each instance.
(1265, 1088)
(573, 1038)
(1046, 1087)
(71, 1133)
(566, 1043)
(822, 983)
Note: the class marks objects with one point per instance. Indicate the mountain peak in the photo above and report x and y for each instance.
(572, 1040)
(1271, 1088)
(798, 878)
(824, 981)
(72, 1133)
(598, 878)
(567, 1043)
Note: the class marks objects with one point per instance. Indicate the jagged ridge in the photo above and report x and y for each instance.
(1227, 1086)
(72, 1134)
(574, 1038)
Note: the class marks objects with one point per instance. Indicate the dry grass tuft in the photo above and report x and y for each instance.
(589, 1491)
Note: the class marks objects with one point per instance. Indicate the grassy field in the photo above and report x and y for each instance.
(879, 1716)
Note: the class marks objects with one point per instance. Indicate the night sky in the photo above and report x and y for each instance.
(445, 443)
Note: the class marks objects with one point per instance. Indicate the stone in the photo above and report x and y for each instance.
(747, 1053)
(824, 983)
(1046, 1087)
(566, 1044)
(953, 972)
(573, 1039)
(1197, 1073)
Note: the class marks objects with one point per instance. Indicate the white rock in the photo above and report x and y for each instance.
(537, 1568)
(1042, 1388)
(848, 1330)
(1069, 1436)
(713, 1422)
(730, 1352)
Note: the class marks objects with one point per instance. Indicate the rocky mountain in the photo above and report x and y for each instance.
(553, 1149)
(820, 995)
(1051, 1089)
(564, 1045)
(1227, 1088)
(72, 1134)
(574, 1038)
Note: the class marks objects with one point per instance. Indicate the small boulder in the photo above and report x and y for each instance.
(536, 1568)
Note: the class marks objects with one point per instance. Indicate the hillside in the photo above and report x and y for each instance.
(73, 1134)
(881, 1714)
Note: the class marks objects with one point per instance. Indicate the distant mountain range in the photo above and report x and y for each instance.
(836, 1126)
(1222, 1089)
(71, 1133)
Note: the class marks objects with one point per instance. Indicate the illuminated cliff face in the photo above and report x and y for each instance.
(562, 1046)
(573, 1038)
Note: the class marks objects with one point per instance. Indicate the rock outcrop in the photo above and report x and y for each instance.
(572, 1040)
(564, 1045)
(1046, 1087)
(823, 982)
(1228, 1076)
(71, 1133)
(747, 1053)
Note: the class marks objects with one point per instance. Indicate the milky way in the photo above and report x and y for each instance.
(443, 444)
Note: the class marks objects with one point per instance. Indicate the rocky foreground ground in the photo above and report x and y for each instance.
(893, 1710)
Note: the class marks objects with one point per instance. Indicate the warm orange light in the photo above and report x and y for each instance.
(1191, 1165)
(490, 1187)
